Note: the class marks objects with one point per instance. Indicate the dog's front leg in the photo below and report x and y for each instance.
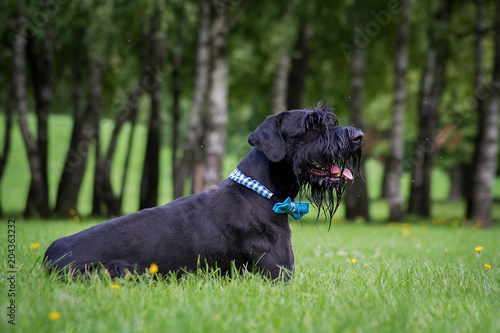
(275, 262)
(271, 267)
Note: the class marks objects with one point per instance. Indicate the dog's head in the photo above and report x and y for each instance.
(322, 154)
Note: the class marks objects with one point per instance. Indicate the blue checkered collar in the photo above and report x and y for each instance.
(254, 185)
(294, 209)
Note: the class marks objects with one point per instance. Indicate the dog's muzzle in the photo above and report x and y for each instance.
(332, 173)
(340, 169)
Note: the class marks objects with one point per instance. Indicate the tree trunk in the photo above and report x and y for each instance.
(280, 83)
(127, 113)
(176, 94)
(394, 167)
(114, 202)
(9, 111)
(116, 209)
(282, 69)
(39, 204)
(41, 60)
(459, 180)
(356, 196)
(150, 174)
(387, 173)
(479, 84)
(424, 145)
(98, 197)
(217, 113)
(483, 170)
(299, 69)
(193, 142)
(78, 65)
(68, 188)
(432, 85)
(85, 128)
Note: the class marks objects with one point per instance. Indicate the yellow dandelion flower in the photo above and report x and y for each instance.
(72, 211)
(488, 267)
(54, 315)
(115, 286)
(153, 269)
(479, 248)
(76, 218)
(405, 231)
(35, 246)
(353, 260)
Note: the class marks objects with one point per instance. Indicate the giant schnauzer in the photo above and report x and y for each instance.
(243, 221)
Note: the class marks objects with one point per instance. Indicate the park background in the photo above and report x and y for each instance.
(110, 107)
(159, 93)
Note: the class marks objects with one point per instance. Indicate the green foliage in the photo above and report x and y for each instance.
(407, 277)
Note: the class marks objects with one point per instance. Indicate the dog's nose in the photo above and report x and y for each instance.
(356, 136)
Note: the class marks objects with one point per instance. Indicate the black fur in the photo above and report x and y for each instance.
(228, 224)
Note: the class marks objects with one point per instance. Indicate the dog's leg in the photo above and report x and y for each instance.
(276, 263)
(120, 268)
(270, 267)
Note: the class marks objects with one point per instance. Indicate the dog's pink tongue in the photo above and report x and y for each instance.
(347, 173)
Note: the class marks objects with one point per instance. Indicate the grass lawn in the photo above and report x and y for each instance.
(407, 278)
(423, 276)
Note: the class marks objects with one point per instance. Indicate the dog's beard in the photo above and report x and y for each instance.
(323, 194)
(323, 188)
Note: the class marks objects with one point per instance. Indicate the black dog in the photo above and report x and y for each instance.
(299, 151)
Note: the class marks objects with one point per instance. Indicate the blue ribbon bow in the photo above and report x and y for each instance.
(295, 209)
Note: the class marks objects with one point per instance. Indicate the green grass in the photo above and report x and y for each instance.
(408, 277)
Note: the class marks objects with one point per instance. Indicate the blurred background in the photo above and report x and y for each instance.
(108, 107)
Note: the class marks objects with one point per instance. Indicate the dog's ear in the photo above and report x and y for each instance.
(267, 138)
